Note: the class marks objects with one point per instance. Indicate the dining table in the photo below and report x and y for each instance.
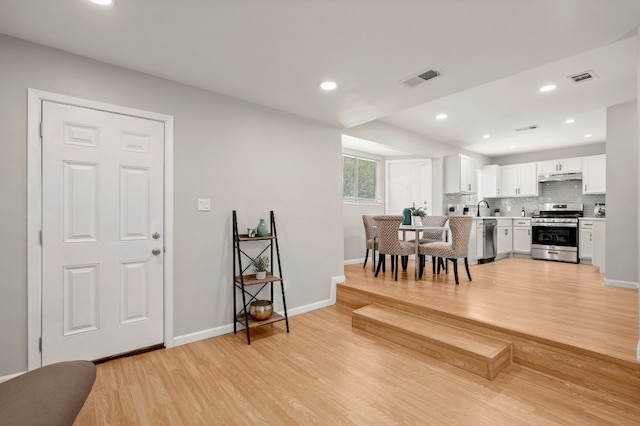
(417, 229)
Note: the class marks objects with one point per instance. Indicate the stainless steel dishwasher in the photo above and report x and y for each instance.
(489, 237)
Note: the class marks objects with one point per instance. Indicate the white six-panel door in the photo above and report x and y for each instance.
(408, 182)
(102, 225)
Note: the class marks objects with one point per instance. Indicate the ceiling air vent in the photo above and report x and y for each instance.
(425, 76)
(583, 76)
(525, 128)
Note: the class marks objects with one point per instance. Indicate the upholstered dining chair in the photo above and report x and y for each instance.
(431, 236)
(371, 239)
(455, 249)
(388, 242)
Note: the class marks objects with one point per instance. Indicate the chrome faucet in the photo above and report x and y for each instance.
(480, 202)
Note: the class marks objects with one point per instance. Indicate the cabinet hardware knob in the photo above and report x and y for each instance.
(156, 251)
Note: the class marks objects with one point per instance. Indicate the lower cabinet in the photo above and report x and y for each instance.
(480, 242)
(472, 254)
(599, 244)
(585, 240)
(522, 236)
(505, 238)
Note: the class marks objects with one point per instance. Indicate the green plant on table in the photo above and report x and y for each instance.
(417, 211)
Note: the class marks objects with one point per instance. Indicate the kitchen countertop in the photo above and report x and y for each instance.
(501, 217)
(529, 218)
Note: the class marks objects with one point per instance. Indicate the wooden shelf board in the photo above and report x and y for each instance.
(246, 237)
(275, 317)
(251, 279)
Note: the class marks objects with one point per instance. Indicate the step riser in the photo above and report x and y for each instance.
(487, 368)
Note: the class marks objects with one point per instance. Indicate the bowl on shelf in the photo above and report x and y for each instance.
(261, 310)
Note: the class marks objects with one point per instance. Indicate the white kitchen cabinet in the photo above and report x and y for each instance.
(504, 245)
(491, 181)
(594, 174)
(472, 255)
(599, 244)
(519, 180)
(480, 241)
(585, 242)
(459, 174)
(564, 165)
(522, 236)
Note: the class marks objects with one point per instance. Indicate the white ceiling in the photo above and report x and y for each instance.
(493, 55)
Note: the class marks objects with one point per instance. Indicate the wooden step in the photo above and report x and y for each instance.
(478, 354)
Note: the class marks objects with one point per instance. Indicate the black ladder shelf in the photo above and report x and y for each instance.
(247, 285)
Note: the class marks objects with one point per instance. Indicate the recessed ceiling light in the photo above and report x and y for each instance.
(570, 121)
(103, 2)
(487, 136)
(512, 146)
(328, 85)
(588, 135)
(441, 116)
(548, 88)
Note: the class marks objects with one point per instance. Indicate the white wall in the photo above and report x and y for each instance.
(353, 228)
(240, 155)
(622, 194)
(638, 168)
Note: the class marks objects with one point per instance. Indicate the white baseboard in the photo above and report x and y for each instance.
(10, 376)
(201, 335)
(354, 261)
(228, 328)
(638, 352)
(621, 284)
(334, 287)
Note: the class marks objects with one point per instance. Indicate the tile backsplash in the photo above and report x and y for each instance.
(548, 192)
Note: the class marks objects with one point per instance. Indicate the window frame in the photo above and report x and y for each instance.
(378, 180)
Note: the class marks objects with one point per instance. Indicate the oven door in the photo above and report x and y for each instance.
(555, 241)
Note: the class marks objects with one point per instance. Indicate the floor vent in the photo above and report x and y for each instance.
(425, 76)
(525, 128)
(583, 76)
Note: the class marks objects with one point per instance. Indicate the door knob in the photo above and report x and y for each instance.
(155, 235)
(156, 251)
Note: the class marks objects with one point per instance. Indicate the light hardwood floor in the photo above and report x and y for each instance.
(560, 302)
(326, 372)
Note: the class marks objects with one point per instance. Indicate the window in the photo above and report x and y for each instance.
(360, 179)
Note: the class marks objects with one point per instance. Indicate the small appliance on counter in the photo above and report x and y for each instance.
(600, 210)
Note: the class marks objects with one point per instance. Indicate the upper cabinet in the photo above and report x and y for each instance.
(594, 174)
(459, 174)
(491, 181)
(565, 165)
(520, 180)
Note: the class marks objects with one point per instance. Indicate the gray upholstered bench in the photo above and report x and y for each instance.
(52, 395)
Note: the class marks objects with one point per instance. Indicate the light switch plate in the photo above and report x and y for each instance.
(204, 204)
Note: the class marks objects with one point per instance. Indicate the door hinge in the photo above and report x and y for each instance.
(41, 130)
(40, 344)
(40, 237)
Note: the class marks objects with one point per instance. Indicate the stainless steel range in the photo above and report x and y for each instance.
(555, 232)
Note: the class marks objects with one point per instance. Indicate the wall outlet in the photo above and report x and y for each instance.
(204, 204)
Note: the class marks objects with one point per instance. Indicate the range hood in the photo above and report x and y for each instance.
(559, 176)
